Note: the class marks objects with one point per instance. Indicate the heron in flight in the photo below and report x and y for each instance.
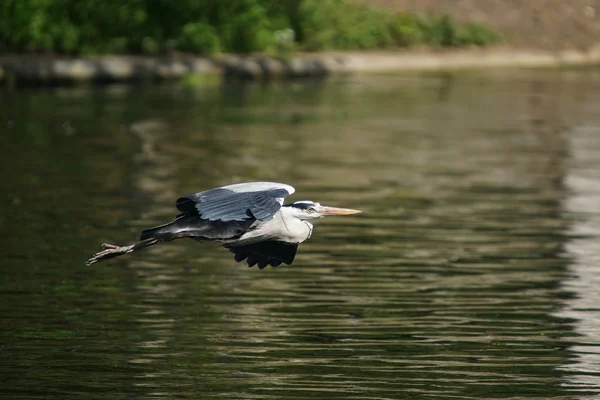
(249, 219)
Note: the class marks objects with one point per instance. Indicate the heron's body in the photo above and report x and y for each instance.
(282, 227)
(248, 218)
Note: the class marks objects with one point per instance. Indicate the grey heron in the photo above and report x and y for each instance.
(249, 219)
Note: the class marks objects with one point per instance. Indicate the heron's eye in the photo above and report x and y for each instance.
(311, 209)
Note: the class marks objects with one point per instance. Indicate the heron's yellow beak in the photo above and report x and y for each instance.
(323, 210)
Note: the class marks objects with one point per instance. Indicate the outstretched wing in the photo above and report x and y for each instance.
(265, 253)
(239, 202)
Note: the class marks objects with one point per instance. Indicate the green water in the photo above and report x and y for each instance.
(471, 274)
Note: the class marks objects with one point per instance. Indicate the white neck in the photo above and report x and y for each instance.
(295, 229)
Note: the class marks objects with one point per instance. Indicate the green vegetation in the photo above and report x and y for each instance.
(212, 26)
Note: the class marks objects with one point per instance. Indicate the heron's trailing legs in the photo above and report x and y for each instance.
(110, 250)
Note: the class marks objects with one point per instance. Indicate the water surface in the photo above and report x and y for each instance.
(472, 273)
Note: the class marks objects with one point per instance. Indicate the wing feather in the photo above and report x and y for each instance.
(265, 253)
(239, 202)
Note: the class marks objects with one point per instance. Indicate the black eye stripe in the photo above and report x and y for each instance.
(302, 205)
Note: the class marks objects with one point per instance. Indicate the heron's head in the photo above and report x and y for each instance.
(307, 209)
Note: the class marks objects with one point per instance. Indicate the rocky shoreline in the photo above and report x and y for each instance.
(114, 68)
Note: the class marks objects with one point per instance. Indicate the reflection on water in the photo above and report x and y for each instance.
(582, 206)
(469, 275)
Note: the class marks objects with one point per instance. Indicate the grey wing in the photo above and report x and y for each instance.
(239, 202)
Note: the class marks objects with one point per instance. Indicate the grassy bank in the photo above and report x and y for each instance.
(213, 26)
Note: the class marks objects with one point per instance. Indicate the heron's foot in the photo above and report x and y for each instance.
(110, 251)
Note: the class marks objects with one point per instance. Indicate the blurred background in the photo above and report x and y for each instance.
(472, 272)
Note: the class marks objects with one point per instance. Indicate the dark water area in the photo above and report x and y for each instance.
(472, 273)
